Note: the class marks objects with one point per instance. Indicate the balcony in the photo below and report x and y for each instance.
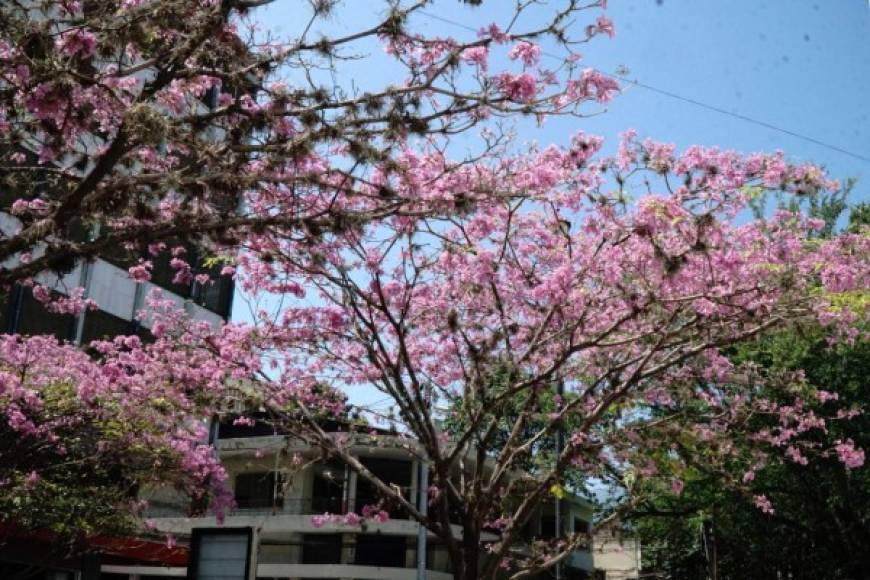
(293, 506)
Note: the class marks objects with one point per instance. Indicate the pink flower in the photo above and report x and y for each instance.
(825, 396)
(677, 486)
(478, 55)
(77, 42)
(521, 88)
(795, 455)
(32, 479)
(318, 521)
(529, 53)
(762, 503)
(849, 455)
(183, 274)
(41, 293)
(141, 272)
(592, 85)
(494, 32)
(22, 206)
(155, 248)
(603, 25)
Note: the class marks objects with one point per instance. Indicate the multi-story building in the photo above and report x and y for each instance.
(283, 499)
(118, 298)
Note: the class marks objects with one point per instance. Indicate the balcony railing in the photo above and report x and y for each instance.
(293, 506)
(316, 505)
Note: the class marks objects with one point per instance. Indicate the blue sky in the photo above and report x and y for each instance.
(801, 65)
(798, 64)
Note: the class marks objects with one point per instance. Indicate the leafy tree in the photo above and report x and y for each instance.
(82, 438)
(819, 525)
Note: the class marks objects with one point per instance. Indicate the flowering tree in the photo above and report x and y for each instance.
(551, 276)
(139, 128)
(816, 526)
(813, 526)
(81, 438)
(464, 291)
(127, 123)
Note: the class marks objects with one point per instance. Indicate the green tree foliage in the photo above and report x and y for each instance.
(820, 524)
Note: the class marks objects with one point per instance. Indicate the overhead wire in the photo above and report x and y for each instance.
(690, 100)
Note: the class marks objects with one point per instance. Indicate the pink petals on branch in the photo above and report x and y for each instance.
(849, 455)
(528, 52)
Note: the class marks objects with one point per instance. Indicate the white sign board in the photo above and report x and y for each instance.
(222, 554)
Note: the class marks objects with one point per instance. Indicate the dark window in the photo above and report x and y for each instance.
(162, 272)
(380, 550)
(435, 551)
(33, 318)
(321, 549)
(210, 98)
(259, 490)
(23, 184)
(261, 428)
(216, 295)
(581, 526)
(101, 325)
(548, 527)
(575, 574)
(143, 333)
(7, 301)
(327, 492)
(393, 472)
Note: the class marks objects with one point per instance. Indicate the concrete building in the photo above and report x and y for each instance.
(280, 500)
(118, 298)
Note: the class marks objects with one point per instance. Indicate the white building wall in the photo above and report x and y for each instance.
(619, 558)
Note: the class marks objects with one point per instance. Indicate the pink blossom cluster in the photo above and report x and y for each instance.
(572, 267)
(849, 455)
(372, 513)
(521, 88)
(528, 52)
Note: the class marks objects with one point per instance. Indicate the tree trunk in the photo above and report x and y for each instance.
(470, 565)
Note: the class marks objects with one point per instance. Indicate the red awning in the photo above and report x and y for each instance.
(128, 550)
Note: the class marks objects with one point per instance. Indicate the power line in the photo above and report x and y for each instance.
(691, 101)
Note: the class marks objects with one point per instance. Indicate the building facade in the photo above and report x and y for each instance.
(283, 491)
